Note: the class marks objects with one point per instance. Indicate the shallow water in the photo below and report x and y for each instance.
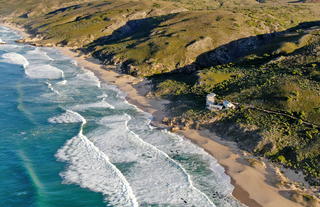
(69, 140)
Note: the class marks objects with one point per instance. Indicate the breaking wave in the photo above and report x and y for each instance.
(89, 78)
(67, 117)
(52, 89)
(100, 104)
(170, 183)
(174, 163)
(64, 82)
(116, 152)
(90, 168)
(15, 58)
(38, 54)
(43, 72)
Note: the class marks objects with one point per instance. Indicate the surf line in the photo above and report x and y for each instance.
(189, 180)
(51, 88)
(133, 199)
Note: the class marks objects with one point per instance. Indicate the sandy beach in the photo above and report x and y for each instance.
(255, 185)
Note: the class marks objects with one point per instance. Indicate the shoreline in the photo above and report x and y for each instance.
(254, 186)
(256, 192)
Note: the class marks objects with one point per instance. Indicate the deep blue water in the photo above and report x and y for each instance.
(66, 139)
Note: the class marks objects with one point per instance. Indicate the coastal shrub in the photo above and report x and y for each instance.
(282, 159)
(172, 87)
(208, 79)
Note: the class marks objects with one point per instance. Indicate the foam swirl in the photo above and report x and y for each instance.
(91, 168)
(15, 58)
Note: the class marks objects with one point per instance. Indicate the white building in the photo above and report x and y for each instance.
(215, 107)
(228, 105)
(211, 99)
(211, 103)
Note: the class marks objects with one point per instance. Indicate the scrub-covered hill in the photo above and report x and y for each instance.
(276, 86)
(152, 37)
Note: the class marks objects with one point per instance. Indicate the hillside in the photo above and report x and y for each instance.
(264, 56)
(277, 88)
(153, 37)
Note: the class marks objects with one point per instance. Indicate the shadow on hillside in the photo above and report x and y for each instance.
(231, 52)
(138, 30)
(61, 10)
(238, 50)
(253, 45)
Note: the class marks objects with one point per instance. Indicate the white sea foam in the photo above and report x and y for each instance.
(211, 179)
(89, 78)
(103, 96)
(52, 89)
(38, 54)
(91, 168)
(124, 158)
(6, 29)
(74, 62)
(15, 58)
(174, 145)
(217, 181)
(100, 104)
(67, 117)
(9, 46)
(3, 28)
(155, 177)
(190, 182)
(43, 72)
(85, 78)
(63, 82)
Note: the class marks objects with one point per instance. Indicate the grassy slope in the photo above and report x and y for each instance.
(156, 37)
(278, 90)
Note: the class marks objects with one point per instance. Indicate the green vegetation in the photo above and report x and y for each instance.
(171, 87)
(153, 37)
(279, 97)
(263, 56)
(278, 94)
(210, 78)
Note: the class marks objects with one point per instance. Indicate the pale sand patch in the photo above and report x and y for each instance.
(251, 184)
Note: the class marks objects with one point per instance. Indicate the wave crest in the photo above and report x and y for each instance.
(67, 117)
(44, 72)
(90, 168)
(15, 58)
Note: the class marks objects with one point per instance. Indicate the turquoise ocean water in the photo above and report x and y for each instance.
(68, 140)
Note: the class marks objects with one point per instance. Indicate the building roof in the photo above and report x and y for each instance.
(211, 95)
(228, 104)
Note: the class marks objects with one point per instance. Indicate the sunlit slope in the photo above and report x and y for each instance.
(152, 37)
